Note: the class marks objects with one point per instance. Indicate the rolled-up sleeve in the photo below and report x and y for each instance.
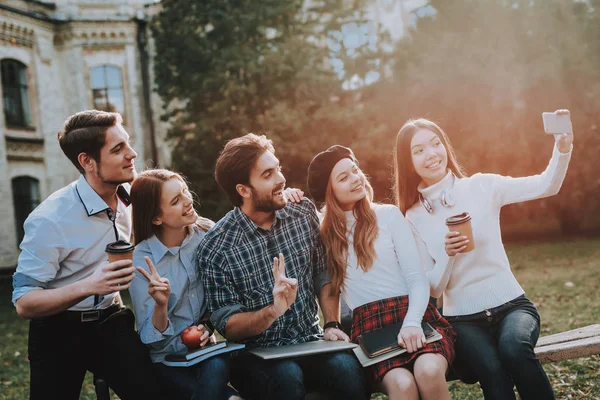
(222, 299)
(42, 249)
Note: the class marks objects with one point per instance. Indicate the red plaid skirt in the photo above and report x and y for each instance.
(380, 313)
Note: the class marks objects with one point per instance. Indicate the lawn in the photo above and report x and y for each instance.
(543, 269)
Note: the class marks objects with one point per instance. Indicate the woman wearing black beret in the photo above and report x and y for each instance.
(374, 262)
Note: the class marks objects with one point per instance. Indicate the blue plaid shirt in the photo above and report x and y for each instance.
(236, 267)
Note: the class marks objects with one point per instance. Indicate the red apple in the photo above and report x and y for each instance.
(191, 337)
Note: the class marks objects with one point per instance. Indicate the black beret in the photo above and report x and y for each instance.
(320, 168)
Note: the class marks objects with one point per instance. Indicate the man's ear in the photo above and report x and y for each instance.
(86, 162)
(243, 191)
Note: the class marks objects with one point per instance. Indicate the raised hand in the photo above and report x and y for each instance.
(294, 195)
(285, 289)
(111, 277)
(564, 140)
(411, 338)
(159, 288)
(455, 243)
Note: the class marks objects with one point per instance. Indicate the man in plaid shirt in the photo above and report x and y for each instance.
(262, 266)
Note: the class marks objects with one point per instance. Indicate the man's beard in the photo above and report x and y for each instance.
(113, 181)
(266, 203)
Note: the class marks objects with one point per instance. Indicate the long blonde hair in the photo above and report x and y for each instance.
(406, 179)
(333, 234)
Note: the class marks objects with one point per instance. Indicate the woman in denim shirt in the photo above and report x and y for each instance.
(167, 295)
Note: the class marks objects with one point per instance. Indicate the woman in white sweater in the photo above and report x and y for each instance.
(373, 260)
(497, 326)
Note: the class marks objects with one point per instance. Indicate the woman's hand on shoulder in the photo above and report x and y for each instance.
(411, 338)
(564, 140)
(294, 195)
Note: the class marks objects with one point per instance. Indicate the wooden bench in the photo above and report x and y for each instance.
(580, 342)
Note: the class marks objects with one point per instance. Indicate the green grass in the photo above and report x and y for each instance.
(541, 268)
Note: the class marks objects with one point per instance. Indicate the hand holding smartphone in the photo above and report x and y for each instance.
(558, 123)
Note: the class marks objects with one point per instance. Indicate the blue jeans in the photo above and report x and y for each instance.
(337, 374)
(206, 380)
(498, 345)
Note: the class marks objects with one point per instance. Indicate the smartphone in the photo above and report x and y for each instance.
(554, 123)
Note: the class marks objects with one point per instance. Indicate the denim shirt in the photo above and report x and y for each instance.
(236, 267)
(186, 303)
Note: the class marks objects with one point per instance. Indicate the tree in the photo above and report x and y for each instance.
(226, 67)
(486, 70)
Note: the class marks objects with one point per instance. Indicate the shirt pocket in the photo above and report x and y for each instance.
(258, 298)
(301, 263)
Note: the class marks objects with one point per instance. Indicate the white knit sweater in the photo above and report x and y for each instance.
(396, 270)
(481, 279)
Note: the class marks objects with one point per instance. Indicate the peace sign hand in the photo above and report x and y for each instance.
(159, 288)
(285, 289)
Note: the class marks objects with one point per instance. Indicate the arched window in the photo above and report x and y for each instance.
(14, 89)
(26, 197)
(107, 89)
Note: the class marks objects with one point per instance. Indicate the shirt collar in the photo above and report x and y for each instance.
(92, 202)
(248, 226)
(158, 249)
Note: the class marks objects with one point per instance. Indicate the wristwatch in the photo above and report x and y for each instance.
(333, 324)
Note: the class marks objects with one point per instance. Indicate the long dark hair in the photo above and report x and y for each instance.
(406, 179)
(146, 192)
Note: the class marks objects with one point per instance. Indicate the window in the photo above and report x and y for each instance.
(14, 89)
(107, 89)
(26, 197)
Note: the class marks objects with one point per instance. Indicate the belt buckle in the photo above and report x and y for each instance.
(90, 316)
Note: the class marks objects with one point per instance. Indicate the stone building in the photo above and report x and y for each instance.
(56, 58)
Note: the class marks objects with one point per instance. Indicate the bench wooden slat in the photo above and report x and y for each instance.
(568, 350)
(574, 334)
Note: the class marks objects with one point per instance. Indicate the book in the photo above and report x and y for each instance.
(195, 356)
(302, 349)
(382, 344)
(191, 354)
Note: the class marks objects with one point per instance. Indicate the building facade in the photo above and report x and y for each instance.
(57, 58)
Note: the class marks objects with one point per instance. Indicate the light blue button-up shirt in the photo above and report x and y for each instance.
(186, 302)
(65, 240)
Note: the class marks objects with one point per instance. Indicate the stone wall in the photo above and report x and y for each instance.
(59, 44)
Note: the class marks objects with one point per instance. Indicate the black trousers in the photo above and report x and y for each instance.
(62, 349)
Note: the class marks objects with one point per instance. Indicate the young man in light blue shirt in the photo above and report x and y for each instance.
(64, 283)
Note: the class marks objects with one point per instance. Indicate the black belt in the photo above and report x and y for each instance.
(89, 315)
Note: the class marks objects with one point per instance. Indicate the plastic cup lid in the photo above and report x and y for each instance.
(120, 246)
(458, 219)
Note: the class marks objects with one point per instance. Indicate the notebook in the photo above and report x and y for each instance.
(195, 356)
(382, 344)
(302, 349)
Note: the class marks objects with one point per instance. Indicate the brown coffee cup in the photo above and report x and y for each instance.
(119, 250)
(461, 223)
